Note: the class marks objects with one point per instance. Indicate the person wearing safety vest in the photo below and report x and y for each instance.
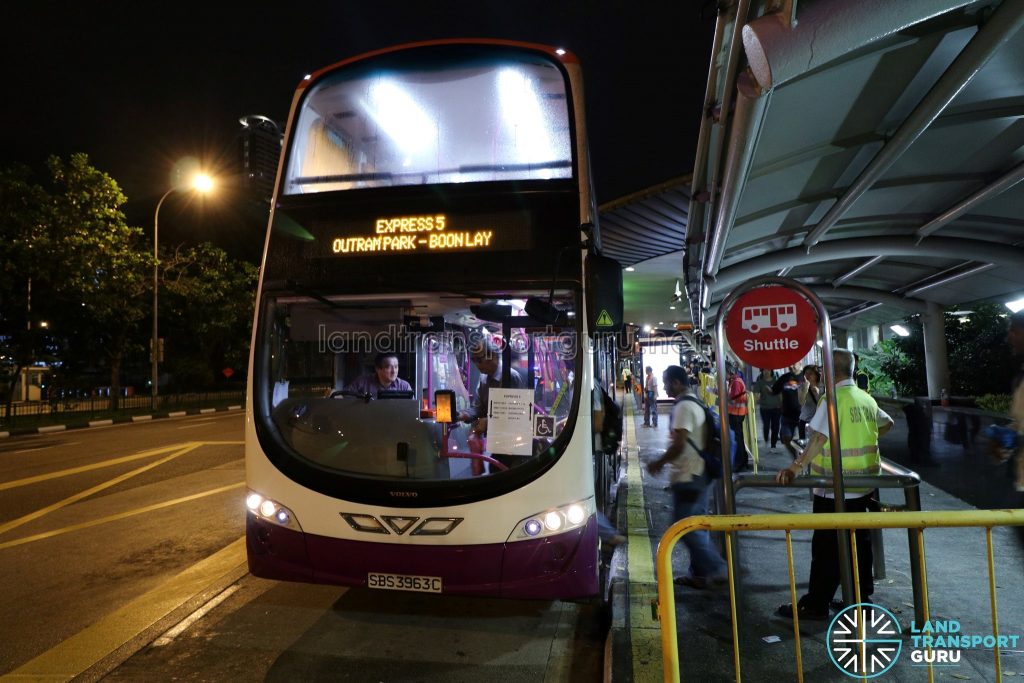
(861, 423)
(708, 386)
(737, 414)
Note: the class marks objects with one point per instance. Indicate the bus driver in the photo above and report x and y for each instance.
(384, 378)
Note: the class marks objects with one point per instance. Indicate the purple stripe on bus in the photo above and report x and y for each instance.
(562, 566)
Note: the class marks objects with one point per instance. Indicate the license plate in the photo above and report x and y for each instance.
(402, 582)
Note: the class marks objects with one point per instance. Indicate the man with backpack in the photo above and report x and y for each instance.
(691, 475)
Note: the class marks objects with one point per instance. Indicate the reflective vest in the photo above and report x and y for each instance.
(738, 405)
(708, 391)
(858, 438)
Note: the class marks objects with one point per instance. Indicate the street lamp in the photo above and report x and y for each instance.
(200, 183)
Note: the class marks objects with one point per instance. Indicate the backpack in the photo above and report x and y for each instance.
(712, 454)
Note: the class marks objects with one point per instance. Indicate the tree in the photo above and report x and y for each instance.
(103, 275)
(979, 360)
(25, 254)
(208, 306)
(901, 360)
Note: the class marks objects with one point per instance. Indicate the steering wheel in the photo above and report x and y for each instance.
(343, 392)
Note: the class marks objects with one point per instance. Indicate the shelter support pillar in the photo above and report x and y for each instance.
(936, 360)
(841, 337)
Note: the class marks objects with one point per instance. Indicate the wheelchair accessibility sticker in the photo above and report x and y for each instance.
(543, 426)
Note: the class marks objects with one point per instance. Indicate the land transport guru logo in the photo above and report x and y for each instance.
(865, 641)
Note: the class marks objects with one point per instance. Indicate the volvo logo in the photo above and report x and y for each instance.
(403, 494)
(399, 524)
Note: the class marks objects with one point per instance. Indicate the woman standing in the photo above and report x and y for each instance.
(770, 406)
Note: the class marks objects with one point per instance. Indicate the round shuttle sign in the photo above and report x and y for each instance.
(771, 327)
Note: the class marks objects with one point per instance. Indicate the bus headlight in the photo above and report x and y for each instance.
(271, 511)
(553, 521)
(550, 522)
(575, 514)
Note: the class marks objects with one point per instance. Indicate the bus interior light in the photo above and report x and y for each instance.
(521, 107)
(401, 117)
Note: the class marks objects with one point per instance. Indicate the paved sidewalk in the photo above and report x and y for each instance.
(956, 570)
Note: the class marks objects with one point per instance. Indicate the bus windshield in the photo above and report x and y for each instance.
(440, 386)
(442, 117)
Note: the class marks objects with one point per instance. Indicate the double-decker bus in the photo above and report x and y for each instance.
(425, 355)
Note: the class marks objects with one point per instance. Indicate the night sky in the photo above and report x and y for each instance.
(137, 85)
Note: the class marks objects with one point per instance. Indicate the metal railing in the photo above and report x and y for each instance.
(914, 522)
(82, 408)
(895, 477)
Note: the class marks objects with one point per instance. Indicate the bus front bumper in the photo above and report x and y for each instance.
(555, 567)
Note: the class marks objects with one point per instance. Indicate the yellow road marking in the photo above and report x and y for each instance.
(120, 515)
(85, 468)
(95, 489)
(644, 631)
(76, 654)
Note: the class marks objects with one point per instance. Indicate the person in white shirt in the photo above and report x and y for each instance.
(690, 485)
(650, 399)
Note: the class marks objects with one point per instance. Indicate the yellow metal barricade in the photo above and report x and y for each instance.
(984, 519)
(750, 430)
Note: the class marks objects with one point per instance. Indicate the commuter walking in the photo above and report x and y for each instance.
(861, 423)
(787, 388)
(770, 406)
(650, 399)
(690, 483)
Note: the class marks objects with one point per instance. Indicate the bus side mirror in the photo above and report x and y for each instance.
(604, 294)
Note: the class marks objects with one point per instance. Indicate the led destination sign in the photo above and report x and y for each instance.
(411, 234)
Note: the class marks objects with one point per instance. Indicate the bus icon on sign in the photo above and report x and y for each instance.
(779, 317)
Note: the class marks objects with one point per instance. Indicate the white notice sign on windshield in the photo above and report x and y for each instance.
(510, 421)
